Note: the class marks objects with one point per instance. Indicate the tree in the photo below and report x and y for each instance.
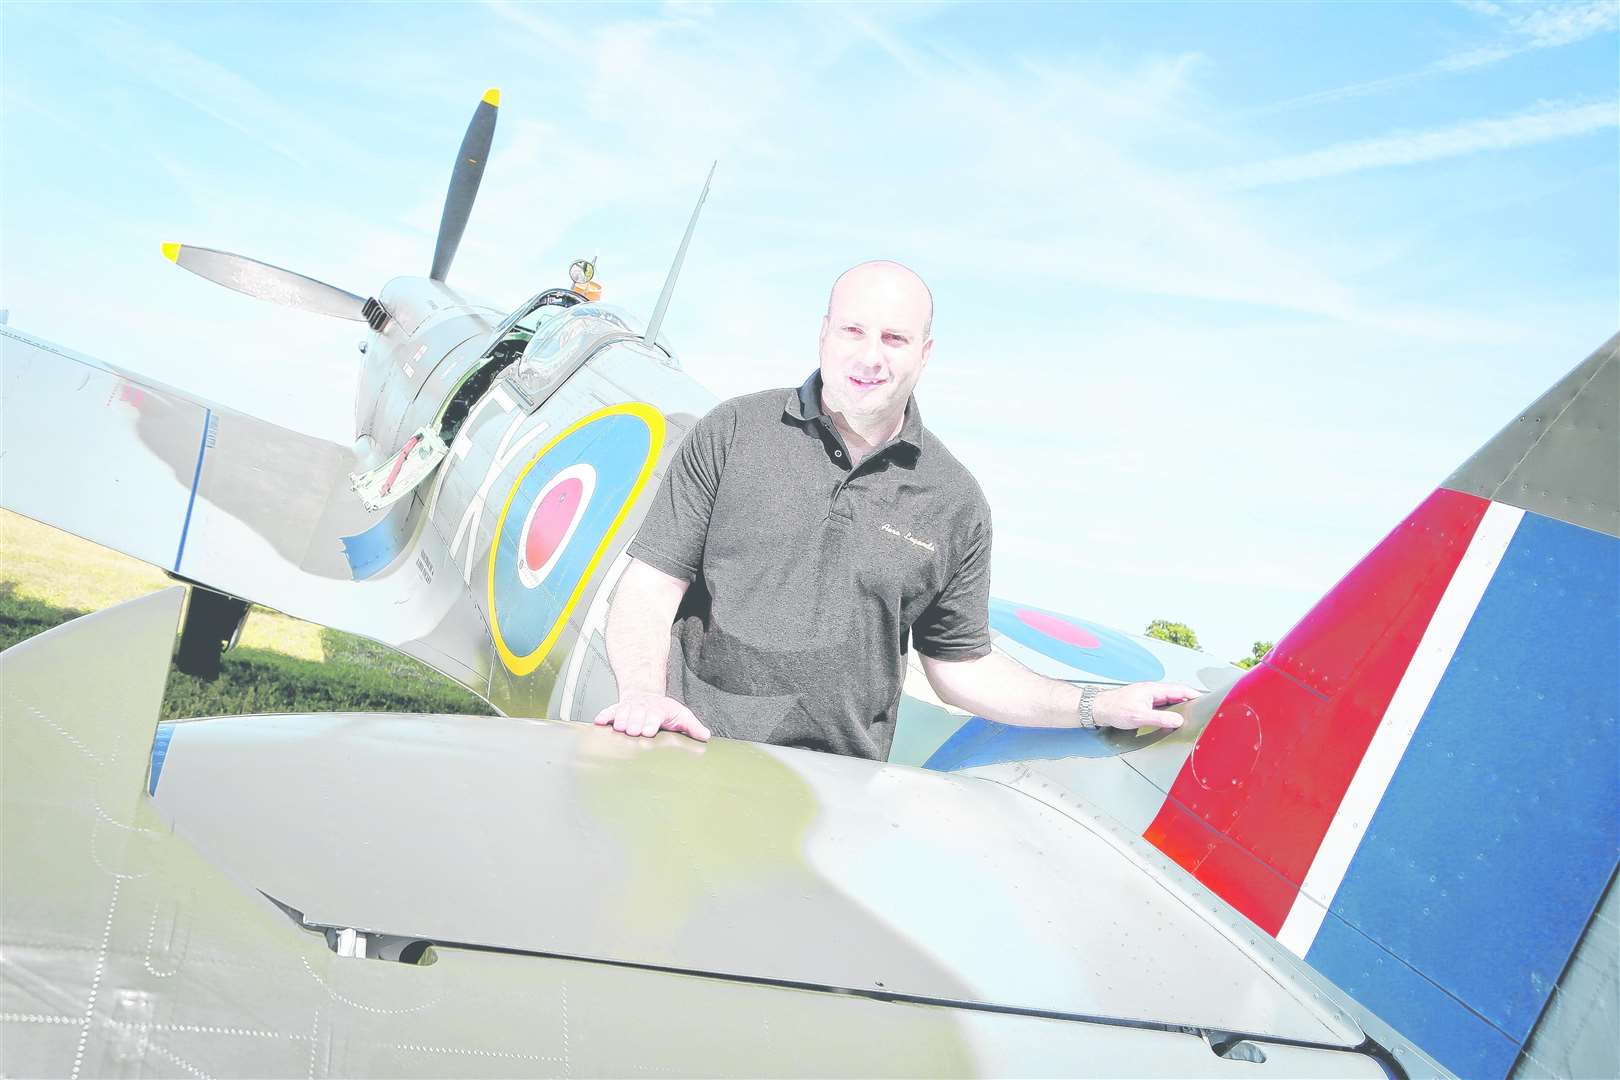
(1173, 632)
(1256, 654)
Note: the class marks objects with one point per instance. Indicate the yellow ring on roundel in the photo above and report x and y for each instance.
(523, 665)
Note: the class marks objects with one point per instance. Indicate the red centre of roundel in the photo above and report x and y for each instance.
(1060, 629)
(551, 520)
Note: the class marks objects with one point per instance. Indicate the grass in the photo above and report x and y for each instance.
(279, 665)
(72, 574)
(356, 676)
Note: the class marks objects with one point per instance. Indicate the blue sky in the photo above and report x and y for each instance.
(1223, 290)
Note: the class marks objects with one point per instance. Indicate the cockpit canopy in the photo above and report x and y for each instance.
(519, 328)
(535, 348)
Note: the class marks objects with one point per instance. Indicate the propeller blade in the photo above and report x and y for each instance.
(464, 182)
(657, 320)
(266, 282)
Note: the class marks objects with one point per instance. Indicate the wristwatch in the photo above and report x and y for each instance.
(1088, 697)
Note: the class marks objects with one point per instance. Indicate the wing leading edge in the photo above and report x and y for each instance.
(211, 495)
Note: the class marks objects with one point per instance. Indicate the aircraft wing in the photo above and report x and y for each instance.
(431, 896)
(141, 468)
(211, 495)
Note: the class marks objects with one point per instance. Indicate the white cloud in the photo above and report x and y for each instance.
(219, 92)
(1538, 125)
(1038, 156)
(1527, 27)
(1553, 25)
(543, 32)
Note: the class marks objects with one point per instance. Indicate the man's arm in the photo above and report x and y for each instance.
(638, 623)
(665, 557)
(999, 688)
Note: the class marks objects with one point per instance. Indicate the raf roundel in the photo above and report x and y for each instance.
(560, 517)
(552, 520)
(1086, 647)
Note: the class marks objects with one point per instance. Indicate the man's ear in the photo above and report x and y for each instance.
(826, 321)
(927, 350)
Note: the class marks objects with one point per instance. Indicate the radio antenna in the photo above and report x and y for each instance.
(657, 320)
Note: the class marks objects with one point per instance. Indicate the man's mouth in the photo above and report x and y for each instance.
(865, 384)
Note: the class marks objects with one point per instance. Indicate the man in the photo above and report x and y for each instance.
(803, 539)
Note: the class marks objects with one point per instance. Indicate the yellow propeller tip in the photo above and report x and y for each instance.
(492, 96)
(171, 252)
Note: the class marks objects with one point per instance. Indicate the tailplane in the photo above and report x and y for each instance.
(1417, 790)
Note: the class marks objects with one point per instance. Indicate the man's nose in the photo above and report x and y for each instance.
(870, 355)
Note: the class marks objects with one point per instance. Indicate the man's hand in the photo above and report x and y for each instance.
(1132, 707)
(999, 688)
(639, 617)
(648, 714)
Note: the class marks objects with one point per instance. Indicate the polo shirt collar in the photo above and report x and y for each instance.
(804, 404)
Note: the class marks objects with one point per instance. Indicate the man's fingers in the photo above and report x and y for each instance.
(643, 721)
(1166, 693)
(1173, 693)
(628, 719)
(693, 726)
(1135, 707)
(1156, 719)
(646, 717)
(685, 722)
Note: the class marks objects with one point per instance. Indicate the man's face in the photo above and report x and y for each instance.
(874, 343)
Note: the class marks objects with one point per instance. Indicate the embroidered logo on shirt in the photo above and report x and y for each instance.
(907, 537)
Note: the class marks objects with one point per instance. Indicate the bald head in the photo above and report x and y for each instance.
(874, 345)
(896, 287)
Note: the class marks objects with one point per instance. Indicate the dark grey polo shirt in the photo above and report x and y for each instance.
(809, 577)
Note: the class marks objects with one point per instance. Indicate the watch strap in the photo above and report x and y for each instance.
(1088, 698)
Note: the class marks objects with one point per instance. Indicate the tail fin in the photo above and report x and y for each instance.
(1417, 791)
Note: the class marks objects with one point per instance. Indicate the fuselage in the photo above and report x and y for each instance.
(560, 398)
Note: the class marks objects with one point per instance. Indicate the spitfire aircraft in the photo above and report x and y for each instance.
(1387, 850)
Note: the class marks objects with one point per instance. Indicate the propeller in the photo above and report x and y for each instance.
(266, 282)
(464, 181)
(280, 286)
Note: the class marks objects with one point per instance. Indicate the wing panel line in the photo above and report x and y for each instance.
(196, 475)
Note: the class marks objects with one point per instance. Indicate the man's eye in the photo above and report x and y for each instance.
(894, 339)
(853, 331)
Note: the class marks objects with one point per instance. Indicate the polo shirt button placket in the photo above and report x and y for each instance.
(839, 494)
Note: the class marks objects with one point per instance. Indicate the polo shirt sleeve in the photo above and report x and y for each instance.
(956, 626)
(672, 535)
